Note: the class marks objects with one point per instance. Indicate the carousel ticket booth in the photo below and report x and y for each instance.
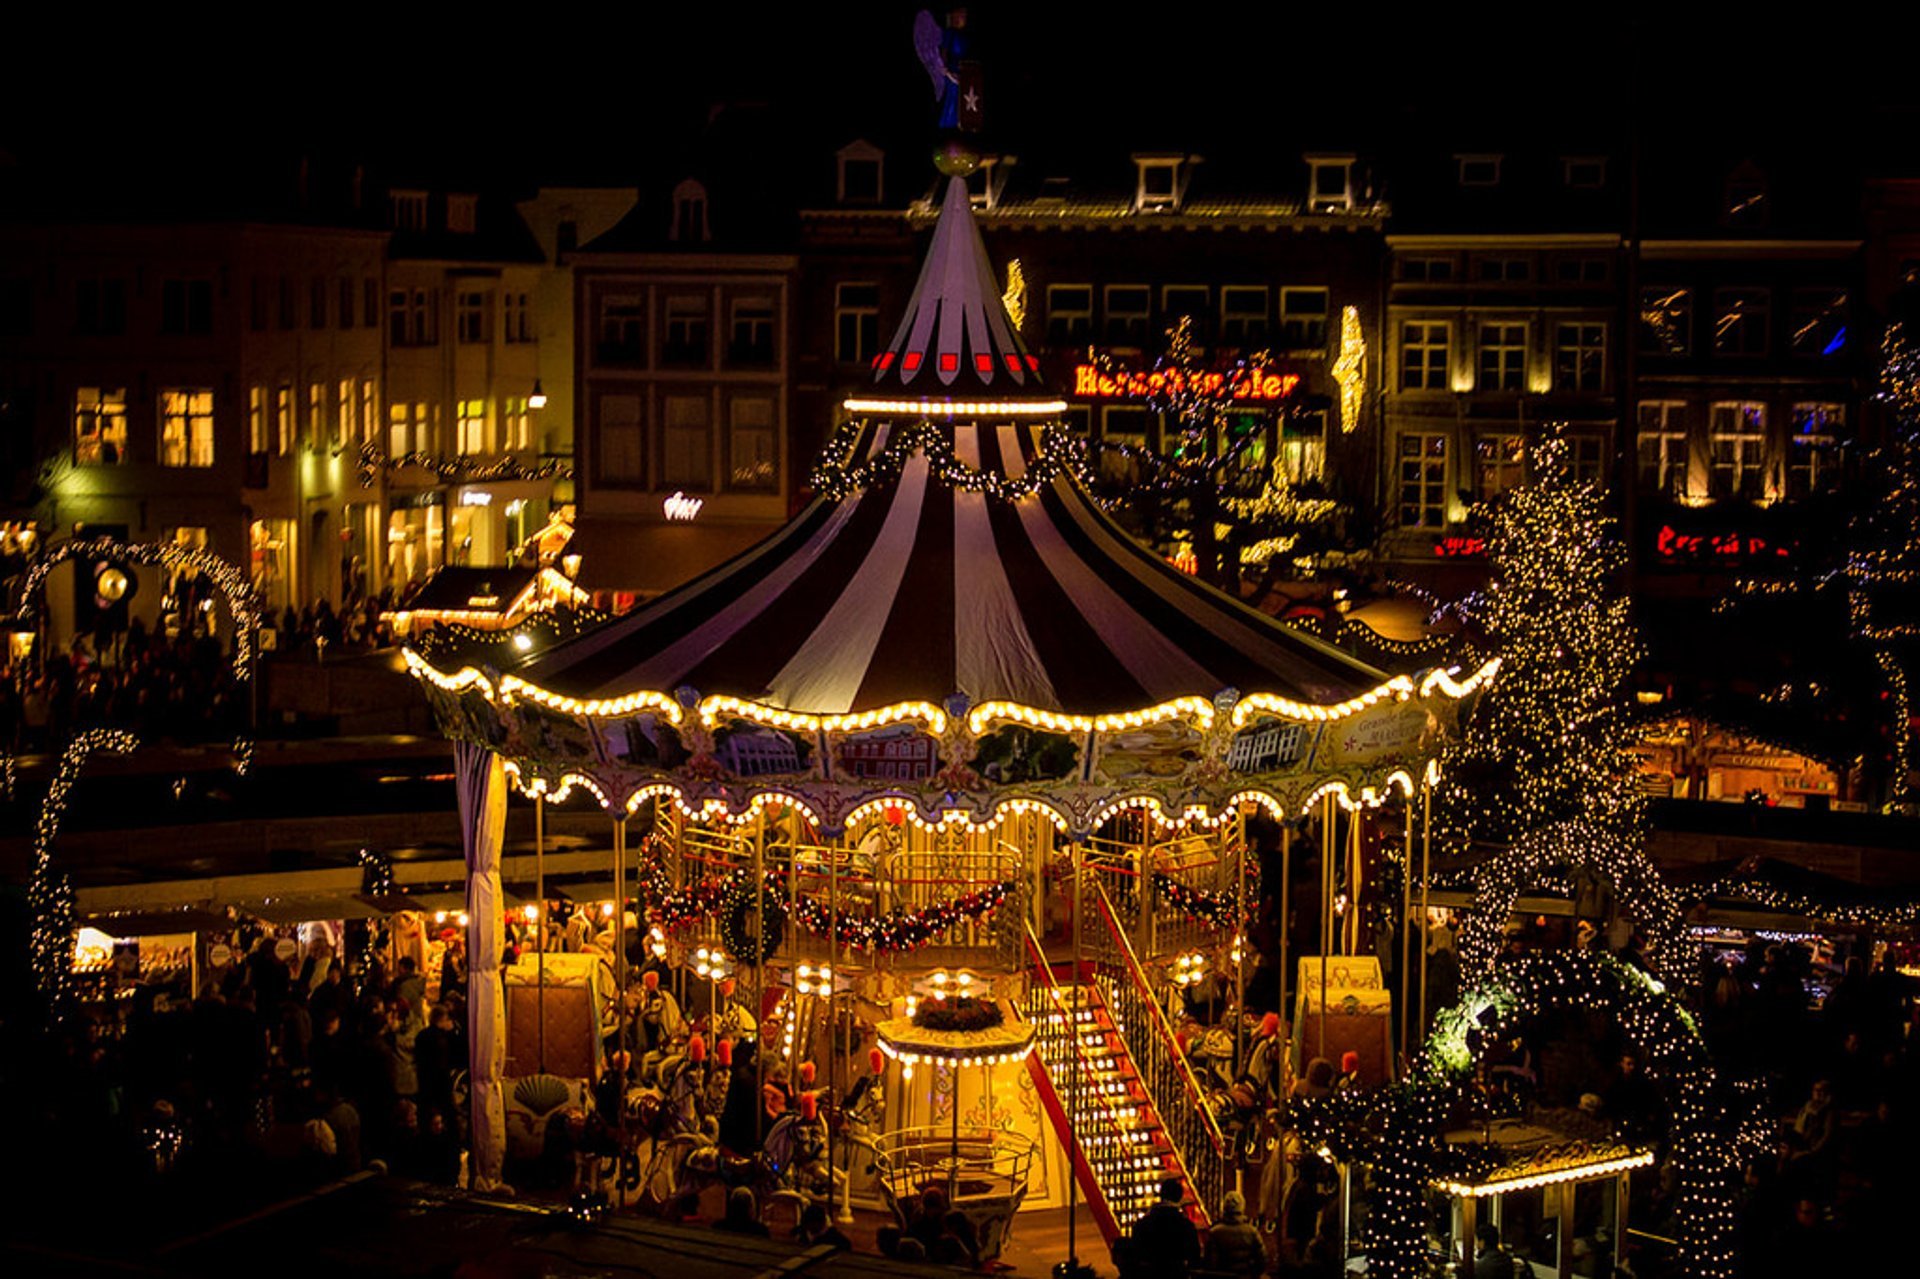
(950, 728)
(1559, 1202)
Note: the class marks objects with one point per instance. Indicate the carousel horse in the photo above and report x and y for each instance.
(731, 1020)
(663, 1028)
(799, 1151)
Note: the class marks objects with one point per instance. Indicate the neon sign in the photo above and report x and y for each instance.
(1090, 382)
(681, 507)
(1671, 544)
(1459, 546)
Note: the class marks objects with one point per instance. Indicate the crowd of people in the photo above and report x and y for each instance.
(360, 624)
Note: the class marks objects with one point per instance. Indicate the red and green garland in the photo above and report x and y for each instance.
(895, 933)
(1217, 909)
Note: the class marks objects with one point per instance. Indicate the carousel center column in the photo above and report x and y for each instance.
(482, 786)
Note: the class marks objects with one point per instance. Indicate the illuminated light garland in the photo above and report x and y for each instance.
(1400, 687)
(952, 817)
(1219, 910)
(1572, 1172)
(376, 874)
(1350, 369)
(717, 708)
(902, 931)
(465, 469)
(1061, 454)
(1442, 679)
(958, 408)
(957, 1057)
(243, 602)
(49, 889)
(1893, 917)
(512, 688)
(1196, 710)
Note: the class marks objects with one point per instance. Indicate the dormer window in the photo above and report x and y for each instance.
(1583, 172)
(1478, 170)
(690, 214)
(1161, 182)
(407, 210)
(463, 214)
(1329, 183)
(860, 172)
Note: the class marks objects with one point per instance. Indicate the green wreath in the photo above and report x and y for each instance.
(736, 923)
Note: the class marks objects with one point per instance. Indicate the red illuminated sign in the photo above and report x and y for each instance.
(1457, 546)
(1090, 382)
(1671, 544)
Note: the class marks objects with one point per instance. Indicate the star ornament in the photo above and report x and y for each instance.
(973, 99)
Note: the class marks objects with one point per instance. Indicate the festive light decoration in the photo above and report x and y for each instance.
(1196, 710)
(49, 889)
(1216, 909)
(715, 709)
(900, 931)
(1551, 740)
(376, 874)
(462, 469)
(838, 475)
(1015, 297)
(1350, 369)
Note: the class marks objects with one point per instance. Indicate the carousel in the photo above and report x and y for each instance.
(938, 818)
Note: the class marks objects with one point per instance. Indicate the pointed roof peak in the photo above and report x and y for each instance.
(956, 341)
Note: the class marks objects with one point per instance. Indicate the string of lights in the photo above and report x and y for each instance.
(1061, 453)
(49, 889)
(462, 469)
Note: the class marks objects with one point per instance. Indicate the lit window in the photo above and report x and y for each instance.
(752, 459)
(99, 426)
(316, 415)
(1503, 357)
(369, 411)
(1243, 314)
(186, 427)
(623, 327)
(516, 424)
(1303, 319)
(470, 310)
(1816, 450)
(1737, 445)
(1666, 320)
(1130, 309)
(750, 332)
(1303, 447)
(1579, 357)
(686, 442)
(1662, 447)
(1740, 322)
(345, 425)
(470, 427)
(1423, 480)
(283, 419)
(1498, 463)
(1069, 314)
(257, 437)
(856, 322)
(1424, 355)
(1819, 322)
(686, 335)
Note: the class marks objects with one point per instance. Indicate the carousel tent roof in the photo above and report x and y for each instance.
(950, 569)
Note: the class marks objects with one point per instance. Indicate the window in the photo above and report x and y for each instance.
(1158, 184)
(186, 426)
(283, 419)
(1303, 447)
(516, 317)
(1584, 172)
(1423, 355)
(345, 289)
(1499, 462)
(1662, 448)
(1246, 437)
(370, 302)
(1816, 451)
(516, 424)
(1737, 444)
(410, 317)
(470, 427)
(99, 426)
(1666, 320)
(856, 322)
(860, 173)
(316, 415)
(463, 214)
(752, 443)
(257, 439)
(407, 429)
(407, 210)
(1819, 322)
(1303, 319)
(1478, 170)
(369, 411)
(1426, 270)
(1123, 424)
(1423, 480)
(1587, 456)
(750, 332)
(1503, 357)
(1503, 270)
(1329, 183)
(1243, 314)
(186, 306)
(345, 425)
(1579, 357)
(1740, 322)
(622, 460)
(1580, 270)
(686, 335)
(1129, 312)
(623, 328)
(284, 293)
(1069, 314)
(686, 443)
(689, 214)
(470, 308)
(257, 304)
(1187, 301)
(317, 303)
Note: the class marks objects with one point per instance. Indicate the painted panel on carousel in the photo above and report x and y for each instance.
(1381, 733)
(743, 748)
(469, 717)
(642, 741)
(1269, 745)
(548, 734)
(1158, 752)
(1014, 753)
(900, 754)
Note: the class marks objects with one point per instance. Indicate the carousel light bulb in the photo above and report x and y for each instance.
(439, 916)
(532, 913)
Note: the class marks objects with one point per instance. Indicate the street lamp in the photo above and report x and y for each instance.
(538, 400)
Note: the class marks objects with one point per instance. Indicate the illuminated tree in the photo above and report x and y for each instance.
(1883, 561)
(1208, 487)
(1549, 741)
